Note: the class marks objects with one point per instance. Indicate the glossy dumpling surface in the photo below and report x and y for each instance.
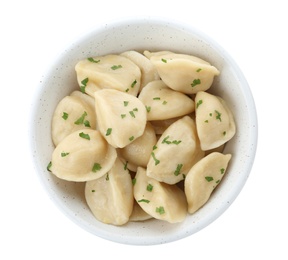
(214, 120)
(184, 73)
(121, 118)
(110, 197)
(82, 156)
(176, 151)
(72, 113)
(162, 102)
(203, 178)
(110, 71)
(160, 200)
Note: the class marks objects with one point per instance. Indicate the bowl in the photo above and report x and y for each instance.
(151, 34)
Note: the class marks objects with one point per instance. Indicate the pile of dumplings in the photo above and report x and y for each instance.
(144, 135)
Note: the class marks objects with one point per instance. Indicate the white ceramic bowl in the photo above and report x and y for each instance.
(145, 34)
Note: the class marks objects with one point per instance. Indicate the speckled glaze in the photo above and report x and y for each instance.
(144, 34)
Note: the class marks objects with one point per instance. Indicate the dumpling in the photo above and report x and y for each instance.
(110, 197)
(162, 102)
(203, 178)
(108, 72)
(138, 214)
(138, 152)
(160, 200)
(184, 73)
(82, 156)
(121, 118)
(72, 113)
(177, 150)
(148, 71)
(214, 121)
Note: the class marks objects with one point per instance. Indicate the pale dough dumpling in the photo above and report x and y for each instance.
(148, 71)
(138, 214)
(177, 150)
(214, 120)
(121, 118)
(202, 179)
(138, 152)
(110, 71)
(160, 200)
(82, 156)
(72, 113)
(184, 73)
(162, 102)
(110, 197)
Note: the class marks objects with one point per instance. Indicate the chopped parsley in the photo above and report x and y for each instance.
(126, 103)
(107, 177)
(63, 154)
(199, 103)
(85, 136)
(125, 165)
(149, 187)
(49, 166)
(132, 114)
(96, 167)
(222, 170)
(156, 98)
(198, 70)
(178, 169)
(123, 115)
(224, 133)
(155, 159)
(164, 102)
(92, 60)
(65, 116)
(195, 82)
(84, 84)
(133, 83)
(81, 119)
(131, 138)
(116, 67)
(109, 131)
(134, 181)
(143, 200)
(148, 109)
(160, 210)
(218, 115)
(92, 190)
(166, 141)
(209, 178)
(164, 60)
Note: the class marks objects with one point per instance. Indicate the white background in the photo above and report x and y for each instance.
(33, 33)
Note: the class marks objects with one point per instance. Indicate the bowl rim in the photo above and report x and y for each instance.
(166, 22)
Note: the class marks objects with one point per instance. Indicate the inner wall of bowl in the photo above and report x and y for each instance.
(153, 35)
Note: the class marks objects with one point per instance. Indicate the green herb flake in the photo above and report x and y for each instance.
(164, 102)
(127, 90)
(87, 123)
(206, 121)
(65, 116)
(81, 119)
(209, 178)
(107, 177)
(126, 103)
(92, 60)
(164, 60)
(224, 133)
(195, 82)
(49, 166)
(178, 169)
(85, 136)
(160, 210)
(131, 138)
(199, 103)
(222, 170)
(149, 187)
(109, 131)
(166, 141)
(217, 181)
(63, 154)
(96, 167)
(132, 114)
(143, 200)
(148, 109)
(156, 98)
(116, 67)
(125, 165)
(154, 147)
(155, 159)
(133, 83)
(210, 114)
(84, 84)
(198, 70)
(123, 115)
(218, 115)
(92, 190)
(134, 181)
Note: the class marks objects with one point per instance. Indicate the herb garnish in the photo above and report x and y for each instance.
(96, 167)
(199, 103)
(209, 178)
(109, 131)
(160, 210)
(133, 83)
(154, 158)
(195, 82)
(85, 136)
(65, 116)
(116, 67)
(63, 154)
(84, 84)
(166, 141)
(143, 200)
(218, 115)
(149, 187)
(49, 166)
(178, 169)
(92, 60)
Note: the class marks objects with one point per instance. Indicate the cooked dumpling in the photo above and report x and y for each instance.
(72, 113)
(110, 197)
(138, 152)
(176, 151)
(214, 120)
(184, 73)
(162, 102)
(138, 214)
(82, 156)
(148, 71)
(108, 72)
(121, 118)
(160, 200)
(202, 179)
